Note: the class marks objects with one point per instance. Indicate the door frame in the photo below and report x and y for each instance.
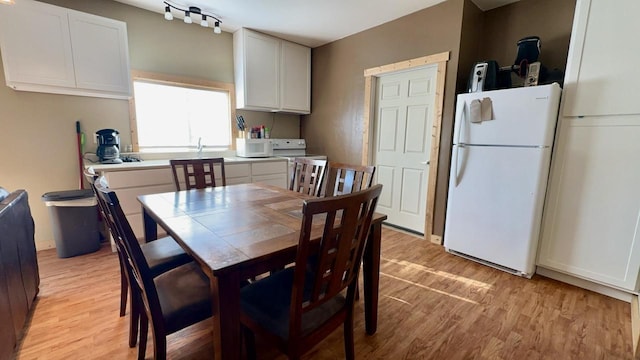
(370, 77)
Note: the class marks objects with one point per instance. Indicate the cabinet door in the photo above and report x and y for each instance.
(41, 54)
(268, 168)
(601, 76)
(258, 66)
(295, 75)
(279, 180)
(591, 220)
(100, 53)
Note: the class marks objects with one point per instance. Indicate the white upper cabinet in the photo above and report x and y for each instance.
(257, 70)
(295, 78)
(271, 74)
(100, 53)
(51, 49)
(601, 76)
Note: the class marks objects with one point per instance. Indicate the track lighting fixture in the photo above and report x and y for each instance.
(187, 15)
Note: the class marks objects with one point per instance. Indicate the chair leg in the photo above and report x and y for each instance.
(349, 352)
(250, 343)
(136, 308)
(144, 332)
(159, 345)
(124, 287)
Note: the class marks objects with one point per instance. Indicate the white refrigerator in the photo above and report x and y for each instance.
(499, 171)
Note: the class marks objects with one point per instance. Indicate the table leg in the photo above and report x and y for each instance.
(371, 272)
(226, 316)
(150, 227)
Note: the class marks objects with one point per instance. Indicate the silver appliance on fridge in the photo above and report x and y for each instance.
(499, 168)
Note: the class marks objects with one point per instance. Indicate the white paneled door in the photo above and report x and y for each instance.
(403, 125)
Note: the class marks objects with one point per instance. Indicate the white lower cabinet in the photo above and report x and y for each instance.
(591, 225)
(129, 184)
(272, 173)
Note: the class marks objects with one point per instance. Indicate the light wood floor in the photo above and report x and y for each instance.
(433, 305)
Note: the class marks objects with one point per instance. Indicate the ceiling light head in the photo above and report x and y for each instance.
(187, 18)
(216, 28)
(167, 13)
(7, 2)
(204, 22)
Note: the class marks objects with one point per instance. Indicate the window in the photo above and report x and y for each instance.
(174, 114)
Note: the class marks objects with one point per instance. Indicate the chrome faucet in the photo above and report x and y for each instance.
(200, 147)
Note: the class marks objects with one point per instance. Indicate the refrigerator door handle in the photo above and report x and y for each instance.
(463, 117)
(456, 173)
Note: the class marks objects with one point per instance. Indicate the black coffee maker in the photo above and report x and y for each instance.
(108, 146)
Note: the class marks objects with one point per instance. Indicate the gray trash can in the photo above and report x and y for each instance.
(74, 218)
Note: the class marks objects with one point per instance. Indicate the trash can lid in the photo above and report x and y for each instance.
(67, 195)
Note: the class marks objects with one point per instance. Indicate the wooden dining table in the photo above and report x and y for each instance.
(238, 232)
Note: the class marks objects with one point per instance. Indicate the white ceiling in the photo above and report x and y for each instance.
(308, 22)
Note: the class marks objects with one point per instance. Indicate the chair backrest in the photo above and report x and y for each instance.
(198, 173)
(307, 176)
(345, 178)
(139, 274)
(338, 255)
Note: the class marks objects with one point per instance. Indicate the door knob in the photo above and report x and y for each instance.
(425, 162)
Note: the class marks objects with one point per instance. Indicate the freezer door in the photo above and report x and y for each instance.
(494, 208)
(524, 116)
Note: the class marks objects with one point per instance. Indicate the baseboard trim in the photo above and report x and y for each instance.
(44, 245)
(635, 325)
(585, 284)
(436, 239)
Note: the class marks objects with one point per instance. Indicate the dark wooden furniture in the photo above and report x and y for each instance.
(346, 178)
(307, 176)
(171, 301)
(162, 255)
(198, 173)
(240, 231)
(19, 276)
(298, 307)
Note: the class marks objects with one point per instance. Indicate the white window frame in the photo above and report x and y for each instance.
(166, 79)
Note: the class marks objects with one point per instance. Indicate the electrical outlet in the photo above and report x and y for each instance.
(95, 138)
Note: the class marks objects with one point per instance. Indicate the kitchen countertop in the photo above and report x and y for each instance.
(162, 163)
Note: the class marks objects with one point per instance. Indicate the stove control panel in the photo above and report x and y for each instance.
(289, 144)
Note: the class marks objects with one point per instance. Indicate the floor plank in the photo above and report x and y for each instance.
(433, 305)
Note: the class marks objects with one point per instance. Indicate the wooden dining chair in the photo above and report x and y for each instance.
(345, 178)
(171, 301)
(307, 176)
(198, 173)
(299, 306)
(162, 255)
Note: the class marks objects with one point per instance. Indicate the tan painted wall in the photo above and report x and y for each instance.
(335, 125)
(38, 147)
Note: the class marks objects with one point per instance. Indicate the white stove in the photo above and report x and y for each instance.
(291, 149)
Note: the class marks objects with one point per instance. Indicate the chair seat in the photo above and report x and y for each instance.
(268, 303)
(163, 255)
(184, 296)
